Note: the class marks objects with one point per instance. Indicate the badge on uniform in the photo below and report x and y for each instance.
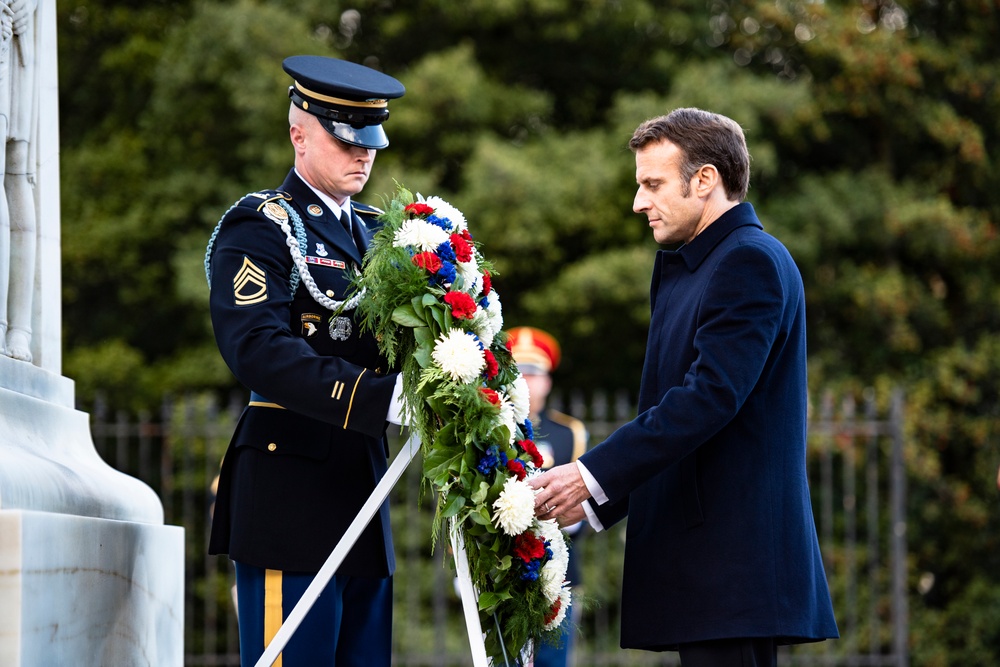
(310, 324)
(340, 328)
(276, 212)
(321, 249)
(315, 210)
(249, 284)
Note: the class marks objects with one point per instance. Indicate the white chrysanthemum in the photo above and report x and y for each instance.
(483, 327)
(488, 321)
(553, 574)
(420, 235)
(515, 507)
(519, 398)
(472, 278)
(507, 416)
(565, 599)
(550, 531)
(443, 209)
(552, 580)
(458, 355)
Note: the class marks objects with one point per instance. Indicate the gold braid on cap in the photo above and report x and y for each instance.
(365, 104)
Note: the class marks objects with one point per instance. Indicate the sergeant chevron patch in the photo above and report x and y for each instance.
(250, 284)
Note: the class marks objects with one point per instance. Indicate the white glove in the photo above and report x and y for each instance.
(395, 415)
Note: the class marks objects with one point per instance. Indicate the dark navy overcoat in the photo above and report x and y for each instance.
(720, 539)
(310, 447)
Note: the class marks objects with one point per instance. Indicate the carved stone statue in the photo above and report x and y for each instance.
(18, 233)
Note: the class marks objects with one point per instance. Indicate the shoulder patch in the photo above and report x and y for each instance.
(249, 284)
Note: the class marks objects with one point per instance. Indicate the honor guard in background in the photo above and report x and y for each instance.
(310, 446)
(560, 439)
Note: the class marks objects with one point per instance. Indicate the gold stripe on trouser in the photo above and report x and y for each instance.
(272, 608)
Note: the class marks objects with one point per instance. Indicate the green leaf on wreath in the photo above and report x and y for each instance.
(423, 355)
(489, 600)
(455, 503)
(479, 495)
(406, 316)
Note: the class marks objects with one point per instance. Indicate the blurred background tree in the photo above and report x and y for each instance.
(874, 126)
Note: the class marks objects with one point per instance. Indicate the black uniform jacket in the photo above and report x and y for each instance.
(310, 447)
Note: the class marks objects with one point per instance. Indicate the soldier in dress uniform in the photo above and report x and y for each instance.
(310, 446)
(560, 439)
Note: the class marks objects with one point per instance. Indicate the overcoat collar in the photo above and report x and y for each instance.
(694, 253)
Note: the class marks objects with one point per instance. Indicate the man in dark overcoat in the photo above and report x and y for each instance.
(722, 562)
(310, 446)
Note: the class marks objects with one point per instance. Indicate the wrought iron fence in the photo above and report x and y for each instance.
(857, 473)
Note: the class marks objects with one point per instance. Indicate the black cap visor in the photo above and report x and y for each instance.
(367, 136)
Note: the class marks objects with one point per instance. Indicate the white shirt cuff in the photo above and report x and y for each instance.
(592, 519)
(395, 414)
(596, 492)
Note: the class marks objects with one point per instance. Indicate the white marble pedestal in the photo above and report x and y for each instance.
(89, 575)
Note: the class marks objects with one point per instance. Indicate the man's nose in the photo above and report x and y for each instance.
(640, 203)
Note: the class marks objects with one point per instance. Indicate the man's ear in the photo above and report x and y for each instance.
(706, 179)
(298, 137)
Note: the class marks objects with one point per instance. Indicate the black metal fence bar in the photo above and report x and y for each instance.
(857, 472)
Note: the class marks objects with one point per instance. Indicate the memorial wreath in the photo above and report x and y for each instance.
(426, 294)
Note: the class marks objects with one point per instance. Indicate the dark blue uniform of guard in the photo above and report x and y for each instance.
(310, 446)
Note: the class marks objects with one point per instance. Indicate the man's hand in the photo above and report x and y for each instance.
(572, 516)
(561, 487)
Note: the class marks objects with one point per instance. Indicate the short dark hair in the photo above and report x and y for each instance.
(705, 138)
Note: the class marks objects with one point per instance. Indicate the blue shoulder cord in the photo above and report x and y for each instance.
(297, 226)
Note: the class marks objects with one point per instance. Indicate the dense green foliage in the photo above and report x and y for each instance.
(874, 127)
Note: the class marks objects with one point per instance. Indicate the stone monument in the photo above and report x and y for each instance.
(89, 574)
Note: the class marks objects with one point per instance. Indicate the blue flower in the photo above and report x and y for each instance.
(446, 274)
(446, 252)
(529, 430)
(491, 460)
(531, 570)
(443, 223)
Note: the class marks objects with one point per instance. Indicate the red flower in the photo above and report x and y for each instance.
(463, 251)
(491, 395)
(492, 367)
(487, 283)
(466, 235)
(528, 547)
(551, 616)
(419, 208)
(517, 468)
(531, 450)
(461, 304)
(428, 261)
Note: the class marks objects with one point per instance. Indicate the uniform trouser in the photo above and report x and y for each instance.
(350, 624)
(753, 652)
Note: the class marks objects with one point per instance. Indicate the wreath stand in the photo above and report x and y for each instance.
(470, 600)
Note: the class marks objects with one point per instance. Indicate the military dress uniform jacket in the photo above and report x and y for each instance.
(720, 540)
(310, 447)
